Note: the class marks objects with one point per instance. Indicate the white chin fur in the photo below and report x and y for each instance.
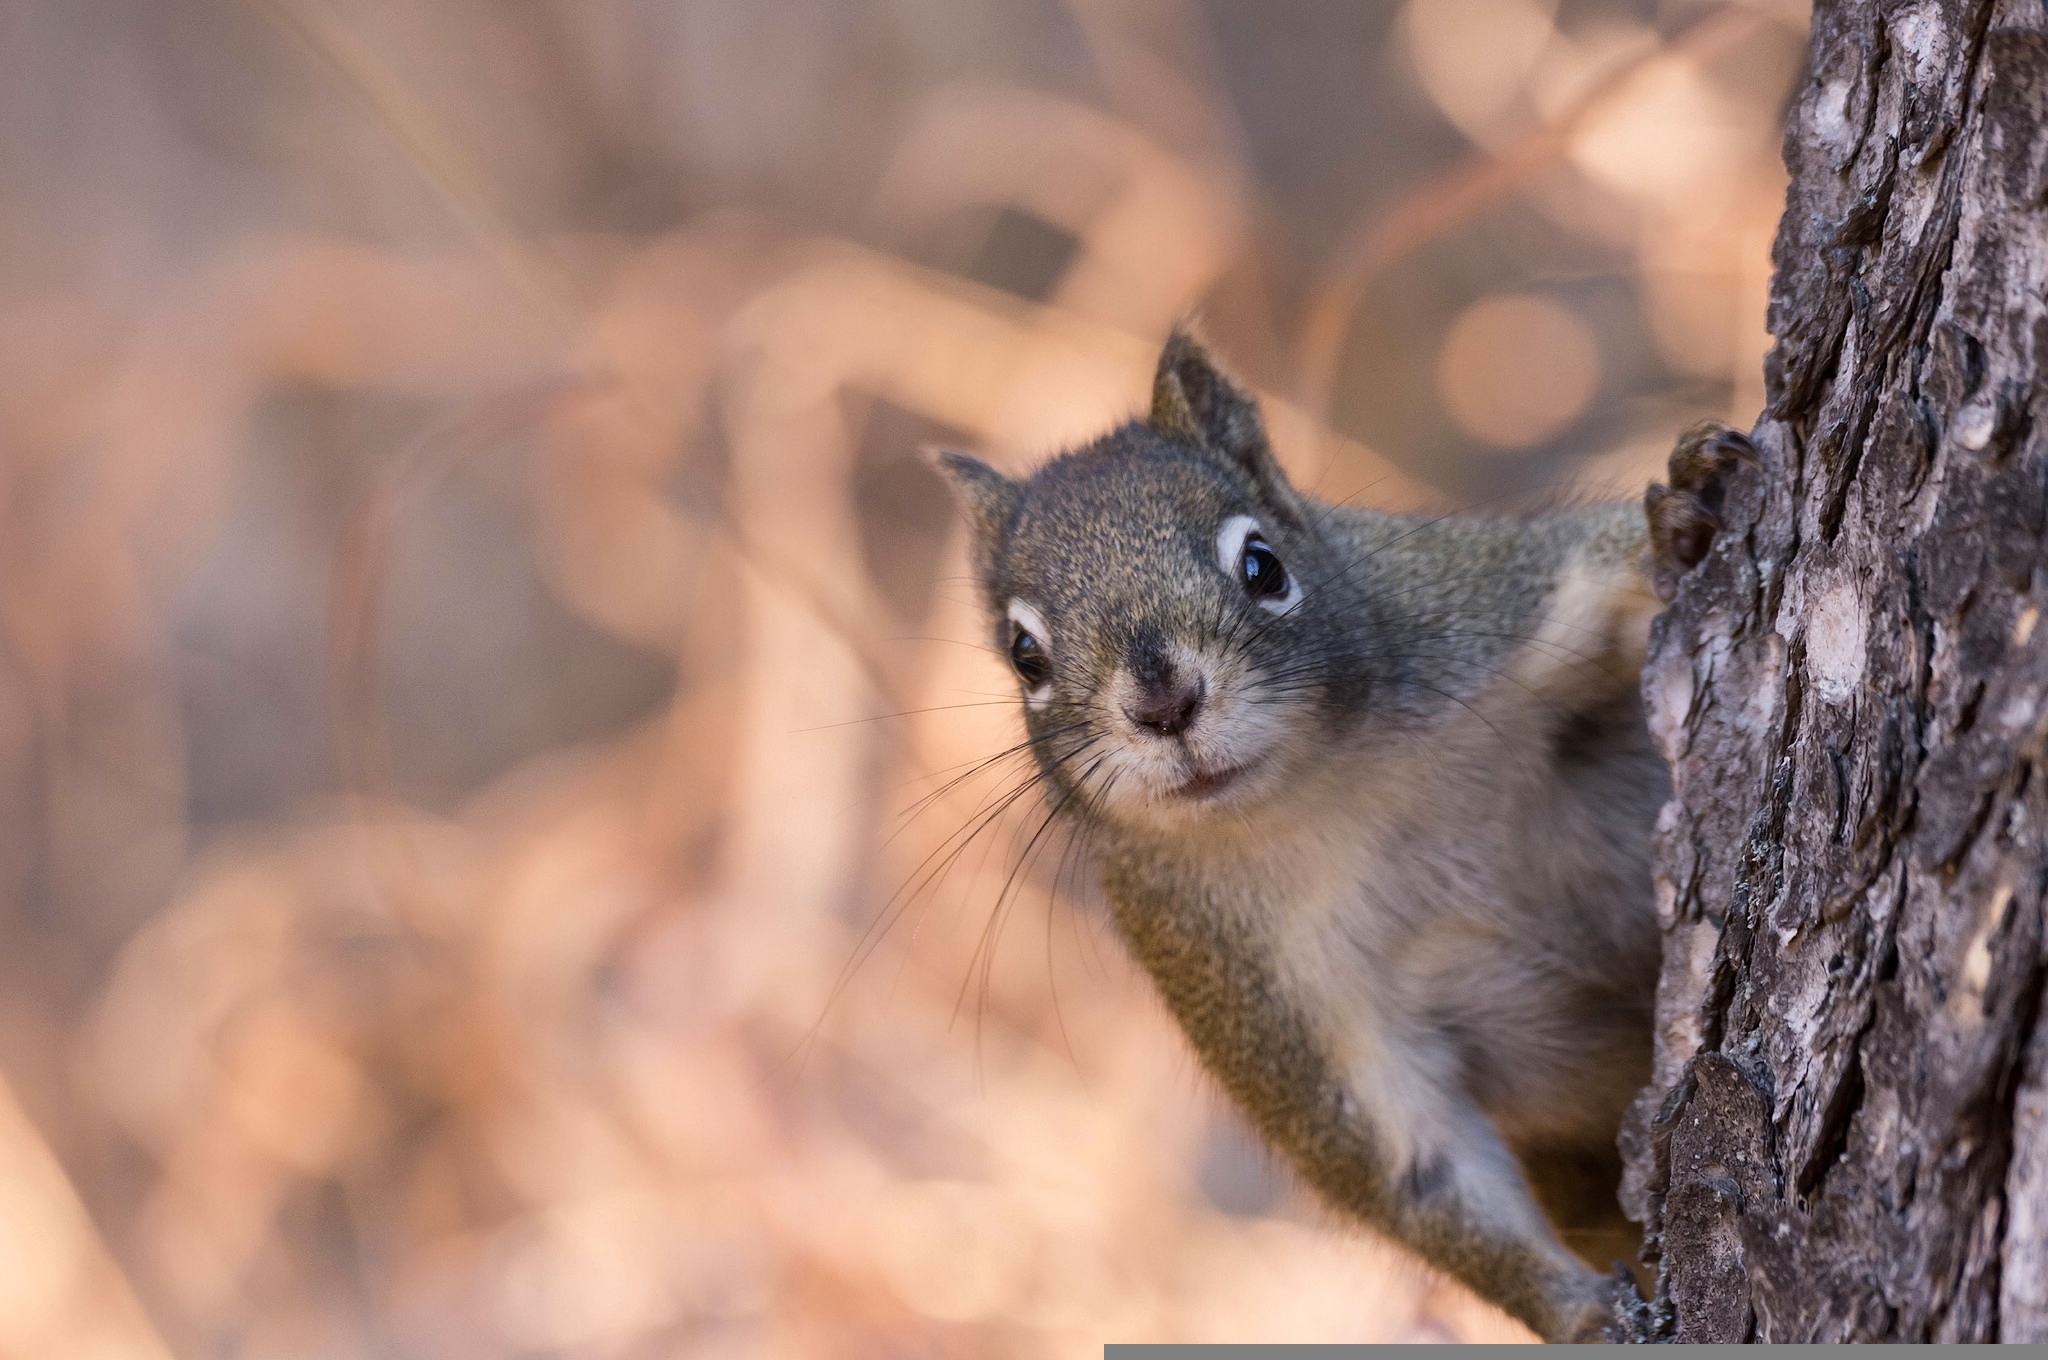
(1147, 780)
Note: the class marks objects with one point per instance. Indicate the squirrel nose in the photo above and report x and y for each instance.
(1166, 706)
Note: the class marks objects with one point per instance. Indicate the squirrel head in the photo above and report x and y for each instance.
(1165, 603)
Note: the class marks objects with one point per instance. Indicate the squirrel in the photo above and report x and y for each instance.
(1371, 797)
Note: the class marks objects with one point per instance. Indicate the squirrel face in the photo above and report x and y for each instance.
(1159, 596)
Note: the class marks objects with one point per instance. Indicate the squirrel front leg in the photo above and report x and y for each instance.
(1451, 1191)
(1628, 568)
(1382, 1137)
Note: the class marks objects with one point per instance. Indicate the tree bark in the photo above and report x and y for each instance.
(1847, 1134)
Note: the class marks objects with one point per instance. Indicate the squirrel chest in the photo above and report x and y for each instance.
(1413, 943)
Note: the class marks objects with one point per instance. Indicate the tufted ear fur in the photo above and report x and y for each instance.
(986, 496)
(1172, 412)
(1195, 400)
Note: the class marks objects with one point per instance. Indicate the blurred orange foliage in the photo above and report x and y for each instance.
(501, 854)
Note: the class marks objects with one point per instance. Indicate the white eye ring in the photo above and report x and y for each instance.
(1031, 621)
(1230, 541)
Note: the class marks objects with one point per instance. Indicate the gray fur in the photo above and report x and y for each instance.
(1413, 939)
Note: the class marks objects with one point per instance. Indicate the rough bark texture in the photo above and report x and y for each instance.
(1847, 1137)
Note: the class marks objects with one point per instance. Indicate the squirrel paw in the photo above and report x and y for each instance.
(1597, 1308)
(1607, 1309)
(1629, 1318)
(1685, 516)
(1591, 1320)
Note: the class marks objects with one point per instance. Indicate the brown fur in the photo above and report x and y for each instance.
(1392, 878)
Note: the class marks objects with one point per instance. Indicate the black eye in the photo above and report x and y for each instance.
(1260, 570)
(1029, 659)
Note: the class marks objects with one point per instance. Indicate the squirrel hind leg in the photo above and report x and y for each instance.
(1685, 515)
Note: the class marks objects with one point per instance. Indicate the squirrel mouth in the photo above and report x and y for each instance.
(1206, 785)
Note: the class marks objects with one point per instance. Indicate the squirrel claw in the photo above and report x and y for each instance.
(1685, 516)
(1631, 1320)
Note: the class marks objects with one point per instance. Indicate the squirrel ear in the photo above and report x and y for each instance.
(1172, 412)
(1192, 396)
(986, 495)
(1194, 399)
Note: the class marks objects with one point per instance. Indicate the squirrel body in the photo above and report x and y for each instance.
(1371, 797)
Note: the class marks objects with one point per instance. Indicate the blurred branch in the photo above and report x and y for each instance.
(356, 596)
(462, 186)
(469, 198)
(64, 1294)
(1468, 189)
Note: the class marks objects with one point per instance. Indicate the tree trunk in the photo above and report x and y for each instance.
(1847, 1134)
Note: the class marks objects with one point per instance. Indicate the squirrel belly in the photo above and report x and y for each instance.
(1456, 921)
(1371, 797)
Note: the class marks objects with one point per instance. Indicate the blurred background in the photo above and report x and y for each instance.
(499, 854)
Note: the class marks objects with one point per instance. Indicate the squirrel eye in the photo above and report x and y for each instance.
(1029, 660)
(1260, 570)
